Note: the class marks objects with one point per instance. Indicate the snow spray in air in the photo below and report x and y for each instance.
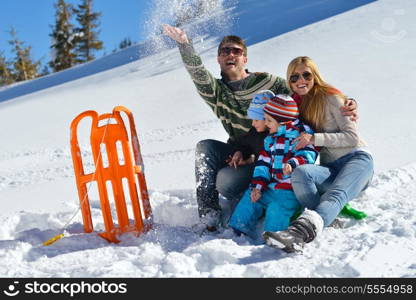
(200, 19)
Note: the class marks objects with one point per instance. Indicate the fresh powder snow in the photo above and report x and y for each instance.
(367, 52)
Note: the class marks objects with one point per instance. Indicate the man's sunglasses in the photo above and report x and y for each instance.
(224, 51)
(295, 77)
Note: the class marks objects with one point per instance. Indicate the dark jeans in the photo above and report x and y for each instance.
(214, 176)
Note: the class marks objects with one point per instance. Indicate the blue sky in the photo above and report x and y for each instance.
(32, 20)
(126, 18)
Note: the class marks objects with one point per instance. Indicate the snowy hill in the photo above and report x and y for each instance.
(364, 52)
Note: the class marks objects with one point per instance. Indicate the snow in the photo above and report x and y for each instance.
(364, 52)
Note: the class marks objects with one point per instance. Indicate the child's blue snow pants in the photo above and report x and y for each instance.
(277, 206)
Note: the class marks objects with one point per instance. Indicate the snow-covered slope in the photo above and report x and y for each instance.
(364, 52)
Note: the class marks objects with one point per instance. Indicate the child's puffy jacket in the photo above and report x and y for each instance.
(278, 150)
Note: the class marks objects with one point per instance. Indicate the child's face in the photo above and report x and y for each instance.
(260, 125)
(271, 123)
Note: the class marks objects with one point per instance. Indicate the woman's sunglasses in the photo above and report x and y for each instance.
(224, 51)
(295, 77)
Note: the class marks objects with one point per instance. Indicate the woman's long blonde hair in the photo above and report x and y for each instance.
(312, 108)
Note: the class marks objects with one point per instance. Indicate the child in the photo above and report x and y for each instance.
(270, 191)
(247, 147)
(239, 160)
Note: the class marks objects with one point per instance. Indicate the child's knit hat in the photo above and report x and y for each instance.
(282, 108)
(255, 110)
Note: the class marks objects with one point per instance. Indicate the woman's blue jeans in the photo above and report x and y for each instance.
(326, 189)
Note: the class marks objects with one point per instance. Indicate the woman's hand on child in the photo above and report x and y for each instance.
(287, 169)
(255, 195)
(303, 140)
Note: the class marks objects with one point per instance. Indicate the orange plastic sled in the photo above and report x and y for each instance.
(110, 134)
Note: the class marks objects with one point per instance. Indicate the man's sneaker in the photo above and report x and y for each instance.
(211, 219)
(201, 229)
(208, 222)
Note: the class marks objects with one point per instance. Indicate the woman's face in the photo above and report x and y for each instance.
(301, 80)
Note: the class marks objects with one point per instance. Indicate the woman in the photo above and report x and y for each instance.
(346, 165)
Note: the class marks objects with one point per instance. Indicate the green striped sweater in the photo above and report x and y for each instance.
(229, 106)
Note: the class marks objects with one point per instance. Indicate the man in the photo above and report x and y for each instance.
(229, 98)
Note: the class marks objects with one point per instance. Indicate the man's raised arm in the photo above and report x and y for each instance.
(205, 83)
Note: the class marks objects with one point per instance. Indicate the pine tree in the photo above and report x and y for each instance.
(6, 73)
(45, 71)
(126, 42)
(63, 42)
(24, 67)
(87, 36)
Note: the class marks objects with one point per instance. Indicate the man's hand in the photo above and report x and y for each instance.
(287, 169)
(350, 109)
(255, 195)
(235, 160)
(175, 33)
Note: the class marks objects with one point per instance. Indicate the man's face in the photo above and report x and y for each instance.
(231, 59)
